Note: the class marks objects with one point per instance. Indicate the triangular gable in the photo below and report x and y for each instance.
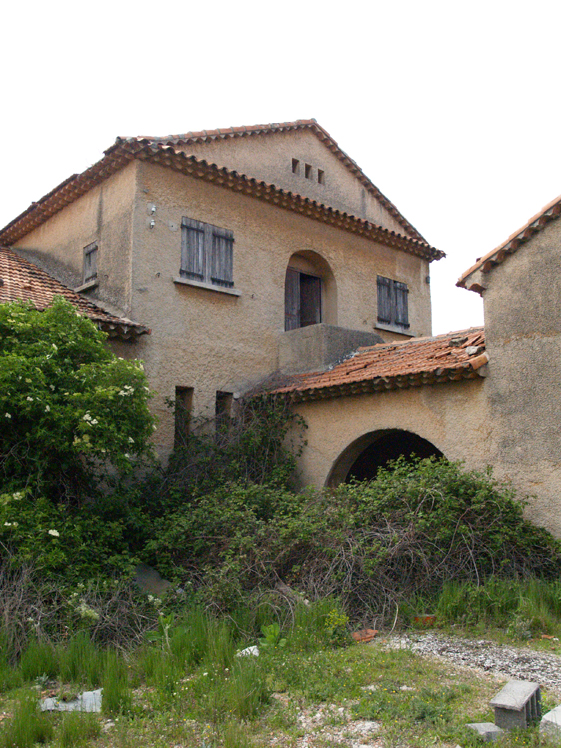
(298, 156)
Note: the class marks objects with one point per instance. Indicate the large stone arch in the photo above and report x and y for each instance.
(362, 458)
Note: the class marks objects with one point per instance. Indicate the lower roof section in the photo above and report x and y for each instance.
(21, 280)
(389, 366)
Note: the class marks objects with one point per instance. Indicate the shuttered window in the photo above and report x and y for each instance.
(207, 253)
(393, 303)
(90, 262)
(302, 300)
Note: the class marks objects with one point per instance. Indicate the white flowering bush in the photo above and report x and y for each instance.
(74, 424)
(69, 408)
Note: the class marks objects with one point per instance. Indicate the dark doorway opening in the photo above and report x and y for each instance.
(302, 300)
(387, 446)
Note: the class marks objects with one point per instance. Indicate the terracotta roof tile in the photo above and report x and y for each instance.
(388, 366)
(125, 151)
(300, 124)
(21, 280)
(496, 256)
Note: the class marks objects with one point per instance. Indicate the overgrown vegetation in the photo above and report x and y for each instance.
(374, 545)
(253, 561)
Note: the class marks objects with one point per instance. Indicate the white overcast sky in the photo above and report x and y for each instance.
(451, 108)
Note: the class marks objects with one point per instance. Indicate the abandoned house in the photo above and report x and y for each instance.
(247, 252)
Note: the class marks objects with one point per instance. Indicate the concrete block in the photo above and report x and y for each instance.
(551, 724)
(487, 731)
(517, 705)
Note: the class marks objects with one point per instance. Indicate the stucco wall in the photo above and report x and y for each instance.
(104, 215)
(269, 157)
(212, 341)
(451, 416)
(523, 333)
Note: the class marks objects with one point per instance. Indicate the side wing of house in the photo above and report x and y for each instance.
(520, 283)
(81, 233)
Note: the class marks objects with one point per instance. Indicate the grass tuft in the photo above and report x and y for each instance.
(28, 726)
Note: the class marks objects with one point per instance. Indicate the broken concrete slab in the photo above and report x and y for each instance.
(517, 705)
(89, 701)
(551, 724)
(487, 731)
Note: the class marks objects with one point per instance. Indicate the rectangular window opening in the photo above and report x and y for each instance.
(321, 176)
(295, 166)
(393, 306)
(308, 171)
(223, 409)
(183, 409)
(90, 262)
(207, 253)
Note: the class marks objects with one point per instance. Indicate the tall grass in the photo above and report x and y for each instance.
(76, 728)
(27, 726)
(117, 694)
(39, 658)
(81, 661)
(534, 603)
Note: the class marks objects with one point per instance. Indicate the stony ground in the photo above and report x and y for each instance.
(328, 725)
(521, 663)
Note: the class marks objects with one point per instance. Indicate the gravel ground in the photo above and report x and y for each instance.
(328, 723)
(520, 663)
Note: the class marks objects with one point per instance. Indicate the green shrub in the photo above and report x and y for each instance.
(70, 403)
(373, 545)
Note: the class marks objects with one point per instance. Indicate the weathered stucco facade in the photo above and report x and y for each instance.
(208, 338)
(521, 287)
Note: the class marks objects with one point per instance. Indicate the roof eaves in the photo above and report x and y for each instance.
(496, 256)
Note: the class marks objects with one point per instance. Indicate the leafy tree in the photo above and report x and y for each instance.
(71, 412)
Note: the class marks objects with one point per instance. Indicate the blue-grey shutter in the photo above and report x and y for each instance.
(222, 257)
(401, 304)
(292, 300)
(90, 262)
(192, 249)
(385, 298)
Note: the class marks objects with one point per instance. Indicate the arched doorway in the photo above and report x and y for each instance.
(310, 295)
(362, 459)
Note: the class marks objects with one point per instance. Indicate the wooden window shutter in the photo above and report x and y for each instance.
(192, 249)
(384, 300)
(401, 304)
(222, 254)
(310, 300)
(90, 262)
(292, 300)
